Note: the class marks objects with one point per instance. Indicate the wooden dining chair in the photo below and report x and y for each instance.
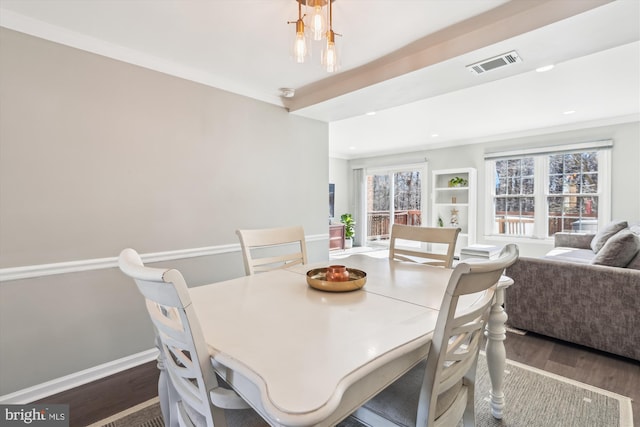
(423, 250)
(272, 248)
(195, 395)
(439, 391)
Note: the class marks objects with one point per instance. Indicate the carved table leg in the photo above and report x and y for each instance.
(496, 354)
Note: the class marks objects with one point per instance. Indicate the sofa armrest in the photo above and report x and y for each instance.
(573, 240)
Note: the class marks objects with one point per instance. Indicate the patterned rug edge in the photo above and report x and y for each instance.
(125, 413)
(626, 412)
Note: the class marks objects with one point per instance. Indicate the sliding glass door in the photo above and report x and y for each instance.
(393, 196)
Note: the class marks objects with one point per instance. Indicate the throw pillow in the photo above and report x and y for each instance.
(619, 250)
(605, 234)
(635, 262)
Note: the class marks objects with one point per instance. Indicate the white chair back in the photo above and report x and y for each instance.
(453, 354)
(440, 390)
(198, 399)
(425, 254)
(272, 248)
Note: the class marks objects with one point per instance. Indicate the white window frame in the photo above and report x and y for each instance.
(541, 185)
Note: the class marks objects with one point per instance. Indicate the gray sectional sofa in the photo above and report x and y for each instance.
(585, 291)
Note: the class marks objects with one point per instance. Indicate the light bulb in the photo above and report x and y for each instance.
(318, 23)
(300, 48)
(331, 58)
(300, 43)
(329, 54)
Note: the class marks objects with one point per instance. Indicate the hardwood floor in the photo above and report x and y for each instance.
(100, 399)
(103, 398)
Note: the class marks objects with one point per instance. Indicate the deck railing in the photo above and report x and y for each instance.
(523, 225)
(378, 222)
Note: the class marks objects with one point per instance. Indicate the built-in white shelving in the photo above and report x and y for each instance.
(455, 206)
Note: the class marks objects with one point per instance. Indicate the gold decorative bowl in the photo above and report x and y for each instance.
(317, 279)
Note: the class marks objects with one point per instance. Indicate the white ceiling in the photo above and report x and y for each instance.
(404, 59)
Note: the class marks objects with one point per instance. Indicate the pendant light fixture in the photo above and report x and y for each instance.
(318, 28)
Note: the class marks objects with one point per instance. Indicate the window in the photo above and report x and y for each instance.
(514, 199)
(572, 196)
(537, 194)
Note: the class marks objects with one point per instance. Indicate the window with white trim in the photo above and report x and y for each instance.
(537, 193)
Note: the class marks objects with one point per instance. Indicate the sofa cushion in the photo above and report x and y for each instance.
(606, 233)
(573, 240)
(619, 249)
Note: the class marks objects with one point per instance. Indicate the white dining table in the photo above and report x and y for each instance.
(305, 357)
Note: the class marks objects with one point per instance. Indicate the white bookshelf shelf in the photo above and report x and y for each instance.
(455, 204)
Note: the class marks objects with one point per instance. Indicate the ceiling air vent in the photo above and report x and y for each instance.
(495, 62)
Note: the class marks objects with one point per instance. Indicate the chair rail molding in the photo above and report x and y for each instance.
(41, 270)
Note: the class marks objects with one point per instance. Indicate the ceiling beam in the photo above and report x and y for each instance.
(501, 23)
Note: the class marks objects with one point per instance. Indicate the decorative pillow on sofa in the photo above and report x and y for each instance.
(606, 233)
(619, 249)
(635, 262)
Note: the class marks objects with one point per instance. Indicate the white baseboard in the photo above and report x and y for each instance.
(58, 385)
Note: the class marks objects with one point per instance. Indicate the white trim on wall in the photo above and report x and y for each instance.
(41, 270)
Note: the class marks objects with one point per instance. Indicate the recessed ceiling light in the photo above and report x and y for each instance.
(434, 135)
(569, 112)
(545, 68)
(352, 148)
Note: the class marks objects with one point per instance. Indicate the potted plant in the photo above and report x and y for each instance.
(458, 182)
(349, 230)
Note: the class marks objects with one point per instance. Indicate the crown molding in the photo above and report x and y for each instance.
(33, 27)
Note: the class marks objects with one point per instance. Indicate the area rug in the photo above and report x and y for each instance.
(534, 398)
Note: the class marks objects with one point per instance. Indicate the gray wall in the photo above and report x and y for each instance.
(625, 176)
(97, 155)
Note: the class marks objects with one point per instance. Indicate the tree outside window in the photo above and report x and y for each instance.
(514, 196)
(573, 192)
